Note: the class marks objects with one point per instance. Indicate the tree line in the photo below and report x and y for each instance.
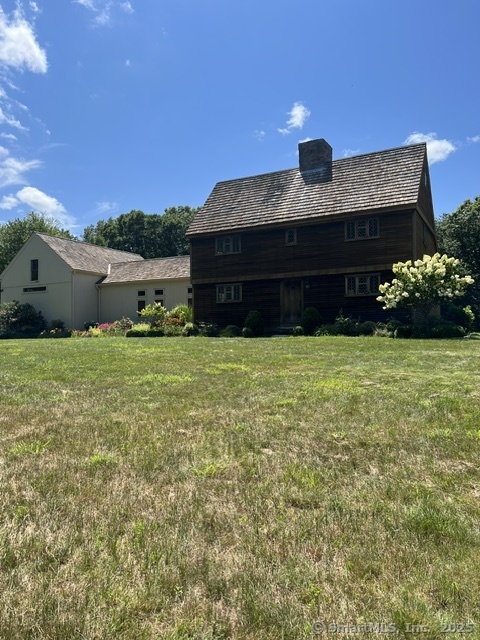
(150, 235)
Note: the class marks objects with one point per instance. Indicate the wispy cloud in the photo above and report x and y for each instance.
(104, 10)
(40, 202)
(350, 152)
(19, 49)
(299, 114)
(473, 139)
(438, 150)
(101, 208)
(10, 121)
(13, 170)
(259, 134)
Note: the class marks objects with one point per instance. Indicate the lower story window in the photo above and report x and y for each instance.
(362, 285)
(141, 304)
(229, 292)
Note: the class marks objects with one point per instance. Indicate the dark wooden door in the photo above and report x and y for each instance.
(291, 301)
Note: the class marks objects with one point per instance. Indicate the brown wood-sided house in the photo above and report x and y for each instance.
(322, 235)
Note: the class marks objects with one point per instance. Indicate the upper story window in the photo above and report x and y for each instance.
(159, 292)
(34, 270)
(141, 293)
(291, 236)
(227, 244)
(362, 285)
(362, 229)
(229, 292)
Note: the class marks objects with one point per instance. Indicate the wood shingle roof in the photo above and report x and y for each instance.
(81, 256)
(374, 181)
(144, 270)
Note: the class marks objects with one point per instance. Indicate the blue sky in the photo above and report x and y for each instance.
(113, 105)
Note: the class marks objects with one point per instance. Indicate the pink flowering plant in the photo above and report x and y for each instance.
(424, 284)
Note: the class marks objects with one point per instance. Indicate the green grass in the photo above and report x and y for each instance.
(229, 488)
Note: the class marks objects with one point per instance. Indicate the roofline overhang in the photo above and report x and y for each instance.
(305, 222)
(151, 281)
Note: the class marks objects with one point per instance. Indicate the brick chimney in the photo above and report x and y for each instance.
(315, 155)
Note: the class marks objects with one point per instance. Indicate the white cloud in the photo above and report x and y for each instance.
(127, 7)
(259, 135)
(437, 150)
(34, 7)
(299, 114)
(473, 139)
(85, 3)
(10, 120)
(128, 63)
(13, 170)
(19, 48)
(350, 152)
(104, 207)
(40, 202)
(8, 136)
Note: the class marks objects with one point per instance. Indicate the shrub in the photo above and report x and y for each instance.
(367, 328)
(403, 331)
(462, 316)
(310, 320)
(447, 329)
(89, 325)
(172, 329)
(190, 329)
(247, 332)
(123, 325)
(138, 330)
(231, 331)
(298, 331)
(327, 330)
(56, 324)
(181, 312)
(56, 333)
(20, 320)
(254, 322)
(154, 314)
(346, 326)
(208, 330)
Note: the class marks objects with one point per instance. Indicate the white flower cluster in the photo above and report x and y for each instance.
(425, 282)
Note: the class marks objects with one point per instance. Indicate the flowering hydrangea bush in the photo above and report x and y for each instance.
(423, 284)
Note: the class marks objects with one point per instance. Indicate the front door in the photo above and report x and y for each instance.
(291, 301)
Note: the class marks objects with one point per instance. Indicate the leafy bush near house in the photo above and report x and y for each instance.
(462, 316)
(367, 328)
(154, 314)
(190, 329)
(20, 320)
(346, 326)
(446, 329)
(181, 312)
(90, 324)
(208, 330)
(254, 322)
(310, 320)
(247, 332)
(231, 331)
(172, 328)
(143, 330)
(298, 331)
(403, 331)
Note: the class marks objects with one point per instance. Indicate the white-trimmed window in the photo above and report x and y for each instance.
(362, 285)
(141, 293)
(229, 293)
(227, 244)
(34, 270)
(291, 236)
(362, 229)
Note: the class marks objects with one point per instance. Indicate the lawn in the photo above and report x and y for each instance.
(195, 488)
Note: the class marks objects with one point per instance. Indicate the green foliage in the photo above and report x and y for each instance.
(15, 233)
(458, 235)
(155, 314)
(231, 331)
(345, 326)
(247, 332)
(403, 331)
(150, 235)
(367, 328)
(143, 330)
(462, 316)
(181, 312)
(209, 330)
(299, 331)
(20, 320)
(422, 285)
(254, 322)
(190, 329)
(447, 329)
(310, 320)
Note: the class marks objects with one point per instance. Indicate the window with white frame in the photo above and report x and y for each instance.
(362, 229)
(227, 244)
(34, 270)
(362, 285)
(229, 293)
(291, 236)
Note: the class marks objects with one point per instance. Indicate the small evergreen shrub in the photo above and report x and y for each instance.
(447, 329)
(254, 322)
(172, 329)
(403, 331)
(247, 332)
(462, 316)
(231, 331)
(367, 328)
(310, 320)
(89, 325)
(327, 330)
(298, 331)
(56, 324)
(346, 326)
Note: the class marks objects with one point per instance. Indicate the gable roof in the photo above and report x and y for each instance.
(154, 269)
(380, 180)
(82, 256)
